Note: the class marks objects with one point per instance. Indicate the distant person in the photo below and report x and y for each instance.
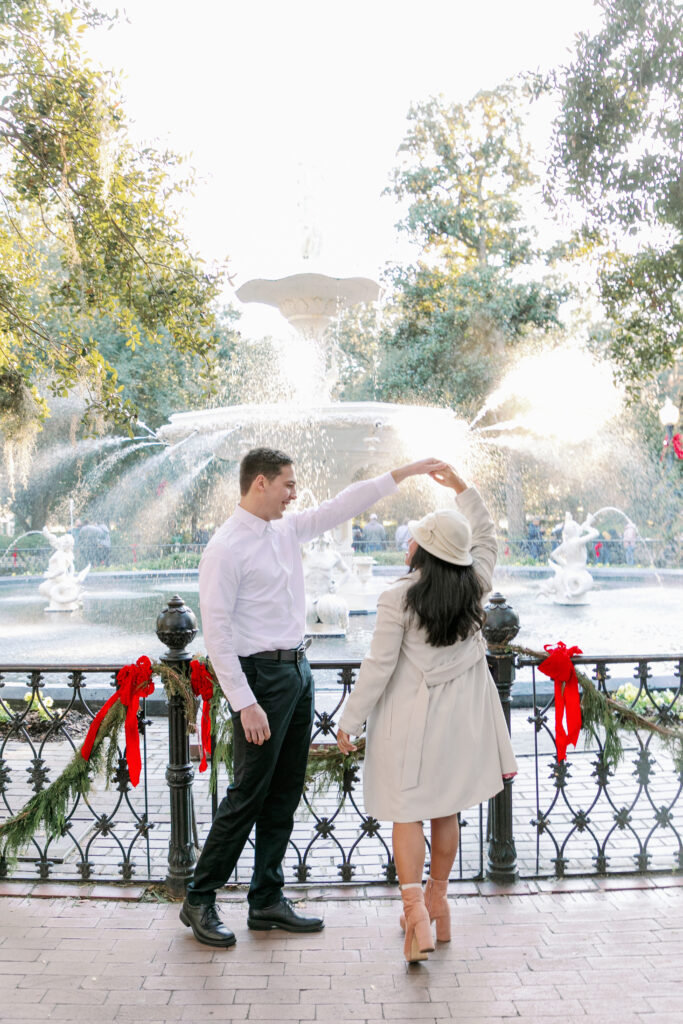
(534, 544)
(103, 544)
(556, 536)
(403, 536)
(374, 534)
(628, 539)
(88, 545)
(615, 552)
(357, 538)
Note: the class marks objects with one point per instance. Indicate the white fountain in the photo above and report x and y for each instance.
(62, 585)
(572, 581)
(334, 442)
(325, 572)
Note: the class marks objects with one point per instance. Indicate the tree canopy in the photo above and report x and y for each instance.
(618, 152)
(479, 284)
(89, 224)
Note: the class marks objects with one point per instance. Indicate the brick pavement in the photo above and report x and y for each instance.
(605, 952)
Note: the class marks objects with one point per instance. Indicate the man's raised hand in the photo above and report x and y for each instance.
(423, 466)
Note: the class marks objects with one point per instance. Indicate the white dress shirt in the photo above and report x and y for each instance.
(251, 581)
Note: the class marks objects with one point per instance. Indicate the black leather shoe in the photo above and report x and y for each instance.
(282, 915)
(206, 925)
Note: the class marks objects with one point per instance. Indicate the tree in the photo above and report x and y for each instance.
(161, 379)
(357, 342)
(89, 225)
(618, 152)
(466, 175)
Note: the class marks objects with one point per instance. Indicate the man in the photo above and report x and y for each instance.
(403, 536)
(253, 607)
(374, 534)
(629, 538)
(535, 539)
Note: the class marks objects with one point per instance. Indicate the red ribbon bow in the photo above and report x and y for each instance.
(202, 686)
(134, 682)
(559, 666)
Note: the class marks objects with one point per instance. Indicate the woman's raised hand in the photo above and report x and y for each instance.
(344, 742)
(448, 477)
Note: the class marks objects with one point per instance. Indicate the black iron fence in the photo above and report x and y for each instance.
(589, 817)
(574, 817)
(105, 834)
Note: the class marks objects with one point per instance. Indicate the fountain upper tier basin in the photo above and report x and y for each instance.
(310, 301)
(340, 439)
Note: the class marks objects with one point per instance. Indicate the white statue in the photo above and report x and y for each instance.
(324, 572)
(62, 585)
(572, 581)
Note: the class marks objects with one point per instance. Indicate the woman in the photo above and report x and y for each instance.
(437, 741)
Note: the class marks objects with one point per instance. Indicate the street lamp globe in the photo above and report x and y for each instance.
(668, 414)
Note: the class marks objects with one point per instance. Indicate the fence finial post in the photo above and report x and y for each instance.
(502, 626)
(177, 627)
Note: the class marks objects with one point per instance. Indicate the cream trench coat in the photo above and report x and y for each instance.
(437, 741)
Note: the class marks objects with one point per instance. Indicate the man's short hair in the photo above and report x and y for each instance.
(262, 461)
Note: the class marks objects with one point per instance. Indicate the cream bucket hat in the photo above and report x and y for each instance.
(446, 534)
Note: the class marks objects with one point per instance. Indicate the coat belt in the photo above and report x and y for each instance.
(472, 652)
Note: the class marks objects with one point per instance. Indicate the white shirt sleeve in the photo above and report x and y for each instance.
(349, 503)
(218, 584)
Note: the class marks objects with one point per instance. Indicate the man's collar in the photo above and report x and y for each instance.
(255, 523)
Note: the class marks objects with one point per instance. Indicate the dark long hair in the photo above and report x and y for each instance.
(445, 598)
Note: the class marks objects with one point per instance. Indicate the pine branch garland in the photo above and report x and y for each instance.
(604, 720)
(48, 808)
(327, 767)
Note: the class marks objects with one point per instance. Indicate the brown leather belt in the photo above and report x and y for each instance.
(296, 654)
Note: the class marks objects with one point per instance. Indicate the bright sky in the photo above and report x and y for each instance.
(281, 103)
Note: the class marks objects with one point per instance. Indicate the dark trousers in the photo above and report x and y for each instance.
(267, 784)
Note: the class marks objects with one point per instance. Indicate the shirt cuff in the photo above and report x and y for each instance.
(240, 696)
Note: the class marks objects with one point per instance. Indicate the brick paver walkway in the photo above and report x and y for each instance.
(589, 952)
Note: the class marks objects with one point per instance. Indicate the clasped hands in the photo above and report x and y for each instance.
(438, 470)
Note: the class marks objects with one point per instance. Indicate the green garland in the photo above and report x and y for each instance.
(49, 807)
(604, 719)
(326, 766)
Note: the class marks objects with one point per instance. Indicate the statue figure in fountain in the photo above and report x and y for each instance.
(324, 572)
(572, 581)
(62, 585)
